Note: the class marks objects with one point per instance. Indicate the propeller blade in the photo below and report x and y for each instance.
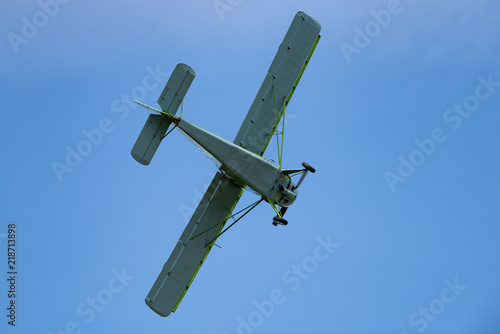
(303, 176)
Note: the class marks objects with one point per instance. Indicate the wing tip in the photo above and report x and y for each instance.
(140, 159)
(186, 68)
(310, 19)
(158, 311)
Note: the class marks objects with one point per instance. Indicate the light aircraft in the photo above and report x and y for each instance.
(240, 162)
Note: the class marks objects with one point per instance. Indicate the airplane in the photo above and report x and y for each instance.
(241, 163)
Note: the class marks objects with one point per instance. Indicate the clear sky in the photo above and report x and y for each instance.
(398, 111)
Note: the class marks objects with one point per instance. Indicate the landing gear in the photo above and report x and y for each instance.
(279, 220)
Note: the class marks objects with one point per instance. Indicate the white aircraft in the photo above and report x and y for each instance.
(240, 162)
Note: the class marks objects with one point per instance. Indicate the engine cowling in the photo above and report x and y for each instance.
(285, 192)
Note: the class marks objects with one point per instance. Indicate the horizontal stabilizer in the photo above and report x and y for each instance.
(157, 125)
(150, 138)
(176, 88)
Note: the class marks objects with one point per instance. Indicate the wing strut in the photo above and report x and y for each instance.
(252, 206)
(247, 209)
(277, 118)
(224, 221)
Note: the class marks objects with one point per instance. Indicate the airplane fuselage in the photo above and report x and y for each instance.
(243, 166)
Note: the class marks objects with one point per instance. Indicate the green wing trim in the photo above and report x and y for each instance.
(208, 250)
(188, 255)
(279, 84)
(280, 115)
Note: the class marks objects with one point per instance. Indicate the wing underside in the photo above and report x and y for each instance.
(193, 246)
(279, 84)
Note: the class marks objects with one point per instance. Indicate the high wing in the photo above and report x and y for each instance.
(194, 244)
(279, 84)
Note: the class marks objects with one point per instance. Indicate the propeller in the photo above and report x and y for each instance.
(308, 168)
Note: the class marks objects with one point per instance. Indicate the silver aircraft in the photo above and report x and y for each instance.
(240, 161)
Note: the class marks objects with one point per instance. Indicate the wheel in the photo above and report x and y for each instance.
(279, 220)
(308, 167)
(275, 223)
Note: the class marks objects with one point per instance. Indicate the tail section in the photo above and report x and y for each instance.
(150, 138)
(157, 125)
(176, 88)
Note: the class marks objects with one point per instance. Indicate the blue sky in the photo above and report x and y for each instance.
(398, 111)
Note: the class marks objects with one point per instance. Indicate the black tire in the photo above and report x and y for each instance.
(280, 220)
(308, 167)
(275, 223)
